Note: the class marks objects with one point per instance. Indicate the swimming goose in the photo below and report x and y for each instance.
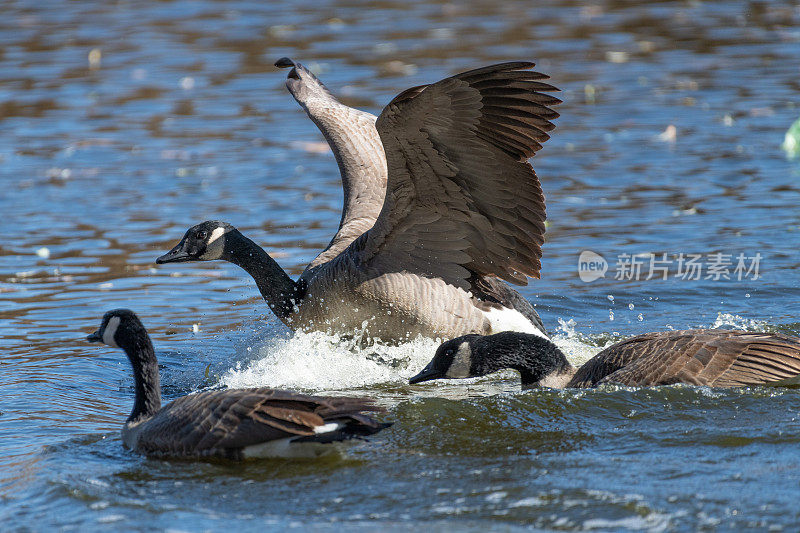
(230, 423)
(713, 358)
(463, 207)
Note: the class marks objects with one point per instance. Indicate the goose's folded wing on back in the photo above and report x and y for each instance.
(700, 357)
(461, 196)
(618, 356)
(236, 418)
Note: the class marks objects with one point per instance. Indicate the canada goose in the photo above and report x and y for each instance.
(463, 208)
(230, 423)
(714, 358)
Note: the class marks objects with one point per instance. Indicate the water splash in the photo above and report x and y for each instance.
(319, 361)
(727, 320)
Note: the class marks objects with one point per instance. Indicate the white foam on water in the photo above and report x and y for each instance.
(573, 344)
(319, 361)
(316, 360)
(728, 321)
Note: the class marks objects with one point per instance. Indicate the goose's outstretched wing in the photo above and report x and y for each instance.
(225, 421)
(715, 358)
(358, 150)
(461, 196)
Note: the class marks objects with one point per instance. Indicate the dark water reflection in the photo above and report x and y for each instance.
(123, 124)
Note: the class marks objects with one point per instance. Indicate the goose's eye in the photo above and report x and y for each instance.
(202, 234)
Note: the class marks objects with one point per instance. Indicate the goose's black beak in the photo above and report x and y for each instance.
(95, 337)
(176, 255)
(428, 373)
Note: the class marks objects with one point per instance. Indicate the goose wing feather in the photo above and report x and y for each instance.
(461, 196)
(358, 150)
(716, 358)
(211, 422)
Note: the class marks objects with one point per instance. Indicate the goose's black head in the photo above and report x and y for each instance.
(453, 360)
(120, 328)
(301, 82)
(535, 358)
(203, 242)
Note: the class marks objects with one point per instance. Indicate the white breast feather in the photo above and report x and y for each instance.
(285, 448)
(506, 319)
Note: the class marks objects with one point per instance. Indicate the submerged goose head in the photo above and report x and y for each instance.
(537, 359)
(713, 358)
(203, 242)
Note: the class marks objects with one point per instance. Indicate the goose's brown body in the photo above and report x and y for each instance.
(715, 358)
(463, 206)
(708, 357)
(229, 423)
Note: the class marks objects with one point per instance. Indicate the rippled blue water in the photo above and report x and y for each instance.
(123, 124)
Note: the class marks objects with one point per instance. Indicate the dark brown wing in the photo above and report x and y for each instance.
(461, 196)
(763, 359)
(616, 357)
(209, 423)
(716, 358)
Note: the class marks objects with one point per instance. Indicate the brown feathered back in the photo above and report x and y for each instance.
(715, 358)
(223, 422)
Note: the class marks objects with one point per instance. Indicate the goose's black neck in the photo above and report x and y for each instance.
(140, 352)
(534, 357)
(277, 288)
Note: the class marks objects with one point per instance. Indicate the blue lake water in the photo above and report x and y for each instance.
(122, 124)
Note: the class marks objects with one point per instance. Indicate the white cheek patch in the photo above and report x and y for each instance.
(214, 245)
(462, 361)
(216, 234)
(111, 329)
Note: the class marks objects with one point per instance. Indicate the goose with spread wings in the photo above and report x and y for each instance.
(463, 210)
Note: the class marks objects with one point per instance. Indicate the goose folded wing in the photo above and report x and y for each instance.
(616, 357)
(762, 359)
(230, 419)
(461, 196)
(713, 358)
